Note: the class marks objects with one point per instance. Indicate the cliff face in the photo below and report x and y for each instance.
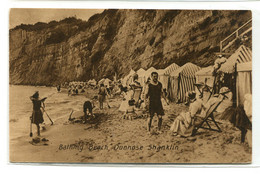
(116, 41)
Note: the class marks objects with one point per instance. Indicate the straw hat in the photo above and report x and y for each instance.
(192, 95)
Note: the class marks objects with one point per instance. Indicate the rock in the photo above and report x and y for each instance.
(84, 50)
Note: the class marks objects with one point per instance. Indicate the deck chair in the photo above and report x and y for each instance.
(137, 96)
(209, 118)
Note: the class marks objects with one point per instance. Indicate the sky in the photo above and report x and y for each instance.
(18, 16)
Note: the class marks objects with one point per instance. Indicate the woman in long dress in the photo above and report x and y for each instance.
(184, 123)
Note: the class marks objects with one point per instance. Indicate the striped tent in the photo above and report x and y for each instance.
(164, 79)
(168, 70)
(240, 61)
(182, 80)
(241, 55)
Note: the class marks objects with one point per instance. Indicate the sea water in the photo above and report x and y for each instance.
(20, 107)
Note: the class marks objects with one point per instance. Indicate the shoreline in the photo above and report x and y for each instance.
(127, 141)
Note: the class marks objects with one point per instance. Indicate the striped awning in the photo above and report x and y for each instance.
(241, 55)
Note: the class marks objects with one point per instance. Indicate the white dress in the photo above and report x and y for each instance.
(124, 103)
(182, 123)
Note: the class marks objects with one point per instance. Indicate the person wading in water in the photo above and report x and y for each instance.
(154, 93)
(37, 115)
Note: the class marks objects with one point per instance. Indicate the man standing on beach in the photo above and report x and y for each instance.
(154, 93)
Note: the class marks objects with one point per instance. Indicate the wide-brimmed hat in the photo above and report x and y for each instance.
(224, 90)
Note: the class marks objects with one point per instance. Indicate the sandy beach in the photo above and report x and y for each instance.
(110, 139)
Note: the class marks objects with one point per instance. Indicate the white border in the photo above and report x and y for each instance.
(249, 5)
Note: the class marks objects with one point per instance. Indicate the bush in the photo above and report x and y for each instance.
(56, 37)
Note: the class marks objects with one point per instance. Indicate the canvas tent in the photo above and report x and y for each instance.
(160, 72)
(140, 72)
(127, 79)
(171, 68)
(182, 80)
(141, 76)
(164, 74)
(149, 71)
(244, 81)
(163, 78)
(205, 76)
(241, 55)
(147, 74)
(240, 61)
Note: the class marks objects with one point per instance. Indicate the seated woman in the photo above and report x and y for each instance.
(184, 123)
(130, 110)
(124, 104)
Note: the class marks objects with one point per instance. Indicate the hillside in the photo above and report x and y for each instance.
(116, 41)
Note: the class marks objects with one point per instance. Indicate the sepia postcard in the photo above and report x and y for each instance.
(130, 86)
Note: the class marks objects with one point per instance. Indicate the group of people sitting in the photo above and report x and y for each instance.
(201, 106)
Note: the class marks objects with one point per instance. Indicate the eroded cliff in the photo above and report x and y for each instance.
(116, 41)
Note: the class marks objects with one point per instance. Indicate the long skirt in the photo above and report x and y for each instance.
(182, 125)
